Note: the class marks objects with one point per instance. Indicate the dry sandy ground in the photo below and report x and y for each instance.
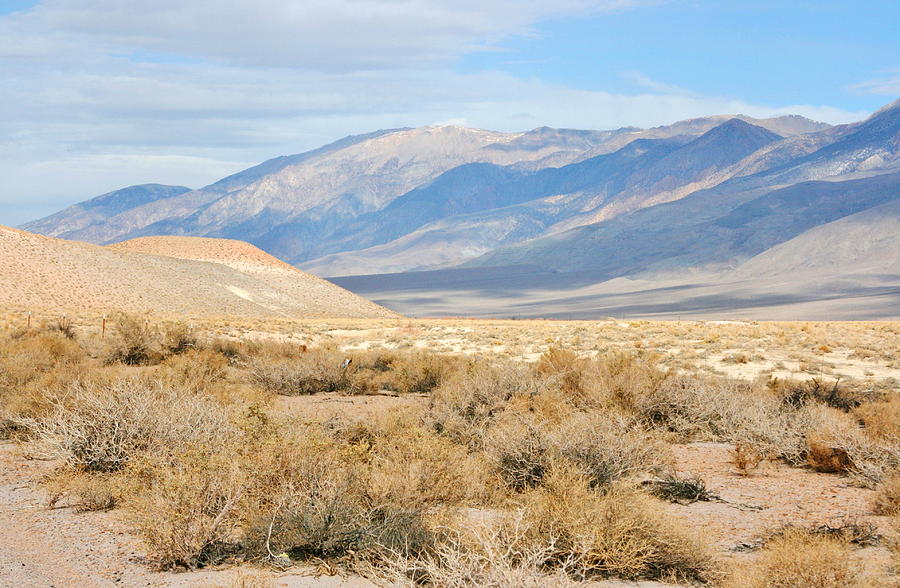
(58, 547)
(43, 547)
(742, 349)
(205, 277)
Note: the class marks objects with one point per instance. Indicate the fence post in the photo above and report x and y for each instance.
(29, 321)
(103, 327)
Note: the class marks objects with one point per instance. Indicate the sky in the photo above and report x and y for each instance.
(96, 95)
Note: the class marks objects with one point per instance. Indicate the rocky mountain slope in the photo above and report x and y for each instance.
(301, 207)
(738, 218)
(194, 277)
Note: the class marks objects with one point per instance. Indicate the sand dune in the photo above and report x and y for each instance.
(171, 275)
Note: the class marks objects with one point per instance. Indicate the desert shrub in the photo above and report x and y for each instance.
(178, 338)
(622, 533)
(322, 509)
(691, 409)
(602, 447)
(880, 420)
(837, 444)
(309, 373)
(33, 366)
(470, 553)
(464, 405)
(419, 372)
(25, 357)
(187, 512)
(842, 396)
(134, 341)
(413, 466)
(229, 349)
(887, 497)
(801, 558)
(99, 428)
(606, 449)
(197, 370)
(520, 451)
(623, 380)
(568, 371)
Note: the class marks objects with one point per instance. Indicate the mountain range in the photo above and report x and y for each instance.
(550, 210)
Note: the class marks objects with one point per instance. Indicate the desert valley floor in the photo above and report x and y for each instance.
(62, 542)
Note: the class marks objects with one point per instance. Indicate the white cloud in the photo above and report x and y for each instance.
(886, 85)
(309, 34)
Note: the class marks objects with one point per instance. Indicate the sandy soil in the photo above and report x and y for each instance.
(61, 548)
(43, 547)
(203, 277)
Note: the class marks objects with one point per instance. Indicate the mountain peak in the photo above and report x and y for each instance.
(735, 127)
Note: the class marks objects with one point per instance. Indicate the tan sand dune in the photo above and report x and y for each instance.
(169, 275)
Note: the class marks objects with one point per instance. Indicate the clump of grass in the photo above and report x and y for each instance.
(621, 533)
(887, 497)
(82, 491)
(98, 428)
(746, 457)
(64, 326)
(310, 373)
(802, 558)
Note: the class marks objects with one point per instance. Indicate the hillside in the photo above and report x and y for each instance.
(709, 228)
(202, 277)
(867, 241)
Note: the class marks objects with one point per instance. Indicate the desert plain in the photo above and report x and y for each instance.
(249, 452)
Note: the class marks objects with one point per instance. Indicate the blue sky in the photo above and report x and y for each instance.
(100, 94)
(768, 53)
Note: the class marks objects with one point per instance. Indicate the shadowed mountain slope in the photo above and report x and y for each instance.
(710, 227)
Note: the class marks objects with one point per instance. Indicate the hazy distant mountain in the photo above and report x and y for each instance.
(298, 207)
(473, 209)
(865, 241)
(98, 210)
